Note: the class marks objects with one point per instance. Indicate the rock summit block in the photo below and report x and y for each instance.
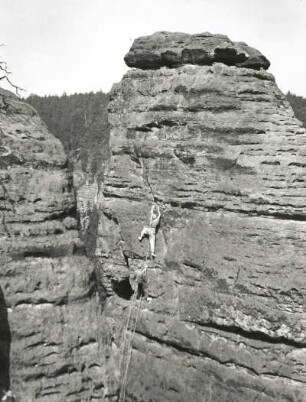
(174, 49)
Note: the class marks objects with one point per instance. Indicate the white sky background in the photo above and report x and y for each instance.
(54, 46)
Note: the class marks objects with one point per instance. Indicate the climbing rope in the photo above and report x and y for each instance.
(124, 339)
(129, 356)
(127, 341)
(146, 179)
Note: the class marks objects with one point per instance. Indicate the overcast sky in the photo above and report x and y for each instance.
(54, 46)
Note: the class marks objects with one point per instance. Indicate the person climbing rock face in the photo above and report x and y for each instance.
(8, 397)
(150, 231)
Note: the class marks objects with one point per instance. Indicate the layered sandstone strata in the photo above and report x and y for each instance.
(216, 146)
(49, 332)
(173, 49)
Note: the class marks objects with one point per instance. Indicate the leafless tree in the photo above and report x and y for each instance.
(5, 75)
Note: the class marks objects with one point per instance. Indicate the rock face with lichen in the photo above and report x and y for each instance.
(49, 332)
(200, 128)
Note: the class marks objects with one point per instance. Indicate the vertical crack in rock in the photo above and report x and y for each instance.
(225, 157)
(199, 127)
(50, 332)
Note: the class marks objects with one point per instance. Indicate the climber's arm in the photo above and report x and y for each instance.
(158, 212)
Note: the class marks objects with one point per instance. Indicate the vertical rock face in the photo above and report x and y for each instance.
(49, 332)
(215, 144)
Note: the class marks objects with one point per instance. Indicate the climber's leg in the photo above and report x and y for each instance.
(8, 396)
(145, 232)
(152, 243)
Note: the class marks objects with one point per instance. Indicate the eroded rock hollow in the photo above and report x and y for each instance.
(201, 129)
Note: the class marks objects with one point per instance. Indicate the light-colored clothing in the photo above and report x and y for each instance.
(150, 231)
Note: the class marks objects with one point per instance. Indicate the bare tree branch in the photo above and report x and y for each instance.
(6, 72)
(16, 88)
(3, 67)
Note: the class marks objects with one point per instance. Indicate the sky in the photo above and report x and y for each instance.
(57, 46)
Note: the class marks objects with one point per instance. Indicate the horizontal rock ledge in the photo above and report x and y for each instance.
(174, 49)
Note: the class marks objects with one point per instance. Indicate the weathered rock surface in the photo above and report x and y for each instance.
(48, 306)
(223, 317)
(173, 49)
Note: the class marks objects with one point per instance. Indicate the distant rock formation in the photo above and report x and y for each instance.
(49, 332)
(215, 144)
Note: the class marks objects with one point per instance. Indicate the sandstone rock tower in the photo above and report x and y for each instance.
(200, 128)
(49, 333)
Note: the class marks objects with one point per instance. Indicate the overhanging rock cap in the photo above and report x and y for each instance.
(174, 49)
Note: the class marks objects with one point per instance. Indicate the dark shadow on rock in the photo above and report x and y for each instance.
(5, 344)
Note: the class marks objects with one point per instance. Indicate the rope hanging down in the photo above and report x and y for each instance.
(131, 322)
(126, 345)
(129, 342)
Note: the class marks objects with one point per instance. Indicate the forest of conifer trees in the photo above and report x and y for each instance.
(80, 122)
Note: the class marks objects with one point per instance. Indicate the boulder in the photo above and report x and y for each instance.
(174, 49)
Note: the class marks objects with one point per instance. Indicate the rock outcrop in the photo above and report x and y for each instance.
(49, 328)
(168, 49)
(201, 129)
(215, 144)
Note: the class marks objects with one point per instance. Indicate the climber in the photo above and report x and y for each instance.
(8, 396)
(150, 231)
(138, 280)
